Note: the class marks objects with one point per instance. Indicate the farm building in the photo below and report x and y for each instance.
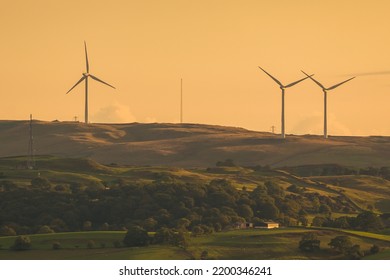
(269, 225)
(242, 225)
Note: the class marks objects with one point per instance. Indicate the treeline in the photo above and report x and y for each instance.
(338, 170)
(214, 206)
(365, 221)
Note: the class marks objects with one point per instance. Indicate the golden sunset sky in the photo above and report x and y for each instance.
(143, 48)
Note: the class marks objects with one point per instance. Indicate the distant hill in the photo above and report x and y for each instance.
(188, 145)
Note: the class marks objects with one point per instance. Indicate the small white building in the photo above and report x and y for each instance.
(268, 225)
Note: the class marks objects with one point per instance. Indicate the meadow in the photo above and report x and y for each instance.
(236, 244)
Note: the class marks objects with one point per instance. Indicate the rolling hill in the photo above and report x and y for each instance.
(188, 145)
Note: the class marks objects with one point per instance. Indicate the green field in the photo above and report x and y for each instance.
(237, 244)
(359, 192)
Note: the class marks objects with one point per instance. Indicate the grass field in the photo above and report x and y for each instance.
(237, 244)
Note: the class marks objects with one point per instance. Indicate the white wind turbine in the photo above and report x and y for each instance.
(325, 90)
(283, 87)
(85, 77)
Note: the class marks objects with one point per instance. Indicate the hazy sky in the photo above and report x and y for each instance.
(144, 47)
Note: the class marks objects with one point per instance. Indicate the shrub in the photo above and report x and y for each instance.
(341, 243)
(22, 243)
(56, 246)
(204, 255)
(7, 231)
(90, 244)
(374, 249)
(309, 242)
(117, 244)
(45, 229)
(136, 236)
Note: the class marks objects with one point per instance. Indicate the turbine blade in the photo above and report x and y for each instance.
(86, 56)
(339, 84)
(273, 78)
(296, 82)
(317, 82)
(82, 79)
(97, 79)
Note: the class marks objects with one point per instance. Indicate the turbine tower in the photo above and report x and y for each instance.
(325, 90)
(181, 100)
(30, 156)
(282, 87)
(85, 77)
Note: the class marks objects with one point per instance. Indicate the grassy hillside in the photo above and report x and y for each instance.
(364, 190)
(361, 191)
(188, 145)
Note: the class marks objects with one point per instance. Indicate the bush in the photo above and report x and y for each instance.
(117, 244)
(164, 236)
(7, 231)
(374, 249)
(136, 236)
(45, 229)
(56, 246)
(90, 244)
(21, 243)
(309, 243)
(40, 182)
(204, 255)
(341, 243)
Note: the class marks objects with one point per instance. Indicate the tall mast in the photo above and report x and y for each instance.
(30, 156)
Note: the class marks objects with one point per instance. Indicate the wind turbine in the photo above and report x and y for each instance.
(282, 87)
(85, 77)
(325, 90)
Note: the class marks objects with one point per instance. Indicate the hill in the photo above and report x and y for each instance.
(188, 145)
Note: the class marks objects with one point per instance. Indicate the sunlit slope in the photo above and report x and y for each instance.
(188, 145)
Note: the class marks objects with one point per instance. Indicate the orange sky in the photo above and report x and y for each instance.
(144, 47)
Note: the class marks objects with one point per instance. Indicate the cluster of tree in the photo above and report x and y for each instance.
(198, 207)
(365, 221)
(340, 244)
(137, 236)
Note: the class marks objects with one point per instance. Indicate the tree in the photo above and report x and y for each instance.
(183, 223)
(56, 246)
(164, 236)
(45, 229)
(245, 211)
(341, 243)
(318, 221)
(87, 225)
(369, 221)
(324, 209)
(22, 243)
(181, 239)
(354, 252)
(136, 236)
(150, 224)
(7, 231)
(204, 255)
(309, 242)
(197, 231)
(273, 189)
(374, 249)
(304, 221)
(40, 182)
(90, 244)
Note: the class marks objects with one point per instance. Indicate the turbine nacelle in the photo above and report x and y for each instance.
(86, 74)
